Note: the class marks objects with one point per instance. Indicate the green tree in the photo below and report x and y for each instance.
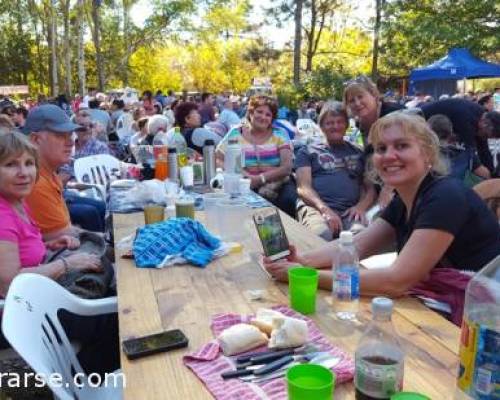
(415, 32)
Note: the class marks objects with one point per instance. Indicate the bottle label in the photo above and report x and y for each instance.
(479, 370)
(378, 377)
(467, 352)
(487, 365)
(346, 282)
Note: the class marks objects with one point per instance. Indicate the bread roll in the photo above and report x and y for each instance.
(264, 319)
(241, 337)
(288, 332)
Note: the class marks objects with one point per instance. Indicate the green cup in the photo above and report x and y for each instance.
(302, 289)
(409, 396)
(310, 382)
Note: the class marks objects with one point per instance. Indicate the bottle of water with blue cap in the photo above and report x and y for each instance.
(345, 269)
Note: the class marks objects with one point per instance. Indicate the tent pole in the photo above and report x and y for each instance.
(464, 90)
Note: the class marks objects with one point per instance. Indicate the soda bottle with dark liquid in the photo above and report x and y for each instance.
(379, 358)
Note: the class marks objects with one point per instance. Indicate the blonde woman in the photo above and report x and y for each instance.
(435, 220)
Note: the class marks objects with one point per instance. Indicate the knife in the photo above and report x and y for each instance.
(246, 357)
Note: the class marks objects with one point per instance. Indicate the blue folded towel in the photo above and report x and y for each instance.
(178, 237)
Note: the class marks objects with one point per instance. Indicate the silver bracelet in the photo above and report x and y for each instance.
(65, 264)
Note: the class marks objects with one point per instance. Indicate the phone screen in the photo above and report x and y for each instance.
(271, 233)
(152, 344)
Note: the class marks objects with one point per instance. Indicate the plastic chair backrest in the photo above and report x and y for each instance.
(97, 169)
(31, 326)
(307, 127)
(124, 125)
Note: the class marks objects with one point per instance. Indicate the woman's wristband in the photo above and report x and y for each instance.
(65, 265)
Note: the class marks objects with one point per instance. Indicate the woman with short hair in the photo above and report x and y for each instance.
(268, 153)
(334, 194)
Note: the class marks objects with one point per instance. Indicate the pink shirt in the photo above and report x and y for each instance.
(26, 235)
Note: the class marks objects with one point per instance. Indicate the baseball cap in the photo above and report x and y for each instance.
(48, 117)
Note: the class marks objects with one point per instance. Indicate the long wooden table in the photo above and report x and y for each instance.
(184, 297)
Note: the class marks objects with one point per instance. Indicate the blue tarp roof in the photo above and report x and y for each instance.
(457, 64)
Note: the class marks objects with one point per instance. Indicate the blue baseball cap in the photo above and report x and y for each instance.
(48, 117)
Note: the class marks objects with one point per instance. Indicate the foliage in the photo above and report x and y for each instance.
(416, 32)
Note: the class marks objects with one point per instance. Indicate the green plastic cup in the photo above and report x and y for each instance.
(302, 289)
(409, 396)
(310, 382)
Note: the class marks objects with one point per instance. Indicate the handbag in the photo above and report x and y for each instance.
(86, 284)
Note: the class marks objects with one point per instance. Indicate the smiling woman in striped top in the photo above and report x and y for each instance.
(268, 153)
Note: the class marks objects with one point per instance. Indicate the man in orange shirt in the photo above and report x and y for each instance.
(52, 132)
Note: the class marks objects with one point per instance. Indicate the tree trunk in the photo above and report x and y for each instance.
(80, 48)
(376, 31)
(97, 44)
(310, 37)
(54, 84)
(67, 50)
(297, 42)
(126, 41)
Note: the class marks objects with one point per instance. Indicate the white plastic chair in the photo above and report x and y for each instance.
(31, 326)
(124, 126)
(308, 128)
(97, 171)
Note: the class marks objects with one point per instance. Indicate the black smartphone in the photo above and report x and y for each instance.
(271, 233)
(152, 344)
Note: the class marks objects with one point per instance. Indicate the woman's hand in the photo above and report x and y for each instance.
(84, 262)
(332, 219)
(63, 242)
(279, 268)
(356, 214)
(255, 181)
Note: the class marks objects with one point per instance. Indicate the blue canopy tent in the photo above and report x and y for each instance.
(442, 75)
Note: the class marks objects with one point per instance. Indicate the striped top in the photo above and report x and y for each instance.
(259, 158)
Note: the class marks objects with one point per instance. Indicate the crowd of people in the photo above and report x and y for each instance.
(410, 167)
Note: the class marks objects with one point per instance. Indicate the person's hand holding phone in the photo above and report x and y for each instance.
(279, 268)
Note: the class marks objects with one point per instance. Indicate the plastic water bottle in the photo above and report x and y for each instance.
(180, 145)
(479, 369)
(379, 358)
(233, 160)
(345, 270)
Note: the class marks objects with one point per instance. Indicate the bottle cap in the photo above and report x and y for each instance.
(346, 237)
(382, 306)
(209, 142)
(172, 150)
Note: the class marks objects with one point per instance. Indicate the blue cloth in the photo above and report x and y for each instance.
(177, 236)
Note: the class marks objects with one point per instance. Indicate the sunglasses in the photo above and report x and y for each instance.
(359, 79)
(85, 127)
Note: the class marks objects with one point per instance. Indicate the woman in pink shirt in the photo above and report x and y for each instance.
(21, 246)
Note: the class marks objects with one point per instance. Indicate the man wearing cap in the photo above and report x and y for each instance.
(52, 132)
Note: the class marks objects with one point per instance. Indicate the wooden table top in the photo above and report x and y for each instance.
(184, 297)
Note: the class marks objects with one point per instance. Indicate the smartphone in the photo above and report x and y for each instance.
(152, 344)
(271, 233)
